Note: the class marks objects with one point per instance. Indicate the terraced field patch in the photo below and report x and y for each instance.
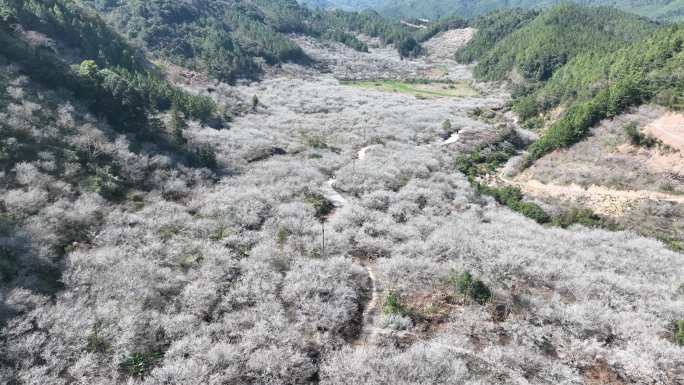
(420, 89)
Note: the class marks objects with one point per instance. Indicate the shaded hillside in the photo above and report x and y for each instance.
(84, 122)
(231, 39)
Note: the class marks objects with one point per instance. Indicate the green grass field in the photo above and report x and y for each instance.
(420, 90)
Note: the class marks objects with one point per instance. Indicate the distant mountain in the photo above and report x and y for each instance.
(669, 10)
(346, 5)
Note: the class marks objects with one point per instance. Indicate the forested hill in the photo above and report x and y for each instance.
(538, 48)
(670, 10)
(230, 39)
(63, 45)
(593, 63)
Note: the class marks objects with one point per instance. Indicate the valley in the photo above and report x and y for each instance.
(373, 284)
(356, 212)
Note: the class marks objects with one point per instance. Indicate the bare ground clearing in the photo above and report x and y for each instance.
(669, 129)
(640, 187)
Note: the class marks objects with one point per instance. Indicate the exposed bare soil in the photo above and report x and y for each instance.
(602, 200)
(640, 187)
(446, 43)
(669, 129)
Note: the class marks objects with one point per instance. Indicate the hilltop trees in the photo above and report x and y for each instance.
(637, 73)
(537, 48)
(492, 28)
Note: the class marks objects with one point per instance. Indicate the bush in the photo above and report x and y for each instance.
(282, 235)
(532, 211)
(446, 125)
(139, 364)
(485, 159)
(513, 198)
(636, 137)
(679, 336)
(321, 204)
(96, 343)
(205, 156)
(472, 288)
(106, 183)
(581, 216)
(409, 47)
(526, 107)
(396, 322)
(346, 39)
(8, 264)
(393, 306)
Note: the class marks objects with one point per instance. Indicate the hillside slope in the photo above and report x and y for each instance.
(85, 122)
(231, 39)
(622, 162)
(535, 50)
(492, 28)
(593, 62)
(347, 5)
(595, 87)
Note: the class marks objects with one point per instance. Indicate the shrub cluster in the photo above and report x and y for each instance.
(638, 138)
(471, 287)
(513, 198)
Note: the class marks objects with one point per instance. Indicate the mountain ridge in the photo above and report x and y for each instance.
(665, 10)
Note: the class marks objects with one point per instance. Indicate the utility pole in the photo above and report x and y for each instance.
(354, 167)
(323, 233)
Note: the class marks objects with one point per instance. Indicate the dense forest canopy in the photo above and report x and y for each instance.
(537, 49)
(491, 28)
(596, 86)
(76, 34)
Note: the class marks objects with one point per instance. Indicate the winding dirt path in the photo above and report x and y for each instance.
(368, 328)
(602, 200)
(332, 195)
(328, 188)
